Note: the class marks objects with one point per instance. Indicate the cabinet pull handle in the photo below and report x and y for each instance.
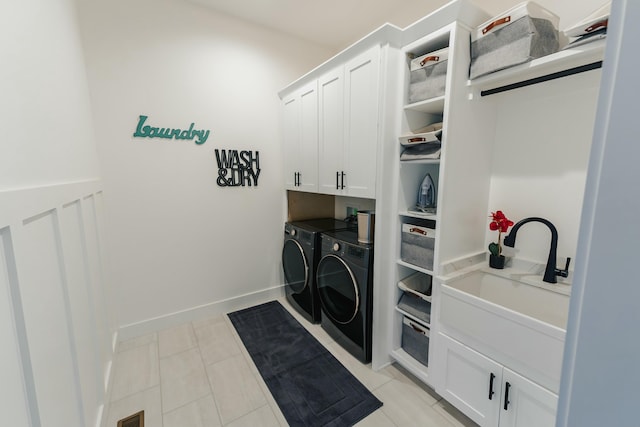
(495, 23)
(506, 395)
(596, 26)
(429, 58)
(342, 174)
(337, 180)
(491, 392)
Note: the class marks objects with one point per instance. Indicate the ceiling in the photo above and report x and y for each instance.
(334, 24)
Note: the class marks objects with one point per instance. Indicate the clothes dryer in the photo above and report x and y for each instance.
(300, 256)
(345, 287)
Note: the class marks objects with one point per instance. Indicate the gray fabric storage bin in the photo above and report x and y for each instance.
(415, 340)
(416, 306)
(524, 33)
(428, 76)
(417, 245)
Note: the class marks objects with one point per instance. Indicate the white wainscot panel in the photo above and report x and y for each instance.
(13, 401)
(44, 301)
(81, 303)
(93, 252)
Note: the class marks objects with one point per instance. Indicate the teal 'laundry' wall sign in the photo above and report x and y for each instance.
(147, 131)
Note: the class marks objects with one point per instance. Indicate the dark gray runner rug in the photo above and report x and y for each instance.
(311, 386)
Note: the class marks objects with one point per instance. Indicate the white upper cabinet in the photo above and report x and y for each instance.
(331, 143)
(290, 137)
(361, 123)
(300, 134)
(348, 113)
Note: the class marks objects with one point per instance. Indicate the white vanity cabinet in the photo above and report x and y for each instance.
(300, 138)
(348, 126)
(489, 393)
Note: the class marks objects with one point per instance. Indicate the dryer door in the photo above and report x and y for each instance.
(338, 289)
(295, 266)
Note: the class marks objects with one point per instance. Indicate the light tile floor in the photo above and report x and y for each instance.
(200, 375)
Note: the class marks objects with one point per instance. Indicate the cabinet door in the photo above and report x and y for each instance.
(527, 404)
(470, 381)
(291, 140)
(308, 158)
(361, 123)
(331, 141)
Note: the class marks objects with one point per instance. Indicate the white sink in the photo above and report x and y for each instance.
(517, 324)
(542, 304)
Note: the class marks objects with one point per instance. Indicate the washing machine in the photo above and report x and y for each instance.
(344, 277)
(300, 256)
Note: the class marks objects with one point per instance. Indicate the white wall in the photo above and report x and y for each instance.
(56, 333)
(541, 153)
(48, 134)
(177, 240)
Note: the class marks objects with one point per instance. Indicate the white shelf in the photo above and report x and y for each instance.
(432, 105)
(421, 162)
(431, 217)
(411, 364)
(414, 318)
(559, 61)
(415, 267)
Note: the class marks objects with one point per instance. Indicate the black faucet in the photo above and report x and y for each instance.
(550, 272)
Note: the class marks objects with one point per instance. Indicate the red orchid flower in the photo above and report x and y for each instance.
(501, 224)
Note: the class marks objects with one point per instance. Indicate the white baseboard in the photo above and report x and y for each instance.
(200, 312)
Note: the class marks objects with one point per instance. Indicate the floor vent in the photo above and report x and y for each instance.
(135, 420)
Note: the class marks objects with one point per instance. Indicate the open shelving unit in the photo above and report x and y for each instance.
(409, 175)
(462, 174)
(560, 64)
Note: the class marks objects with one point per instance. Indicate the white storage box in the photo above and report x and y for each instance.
(428, 76)
(592, 28)
(417, 245)
(429, 134)
(422, 144)
(524, 32)
(417, 283)
(415, 340)
(596, 21)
